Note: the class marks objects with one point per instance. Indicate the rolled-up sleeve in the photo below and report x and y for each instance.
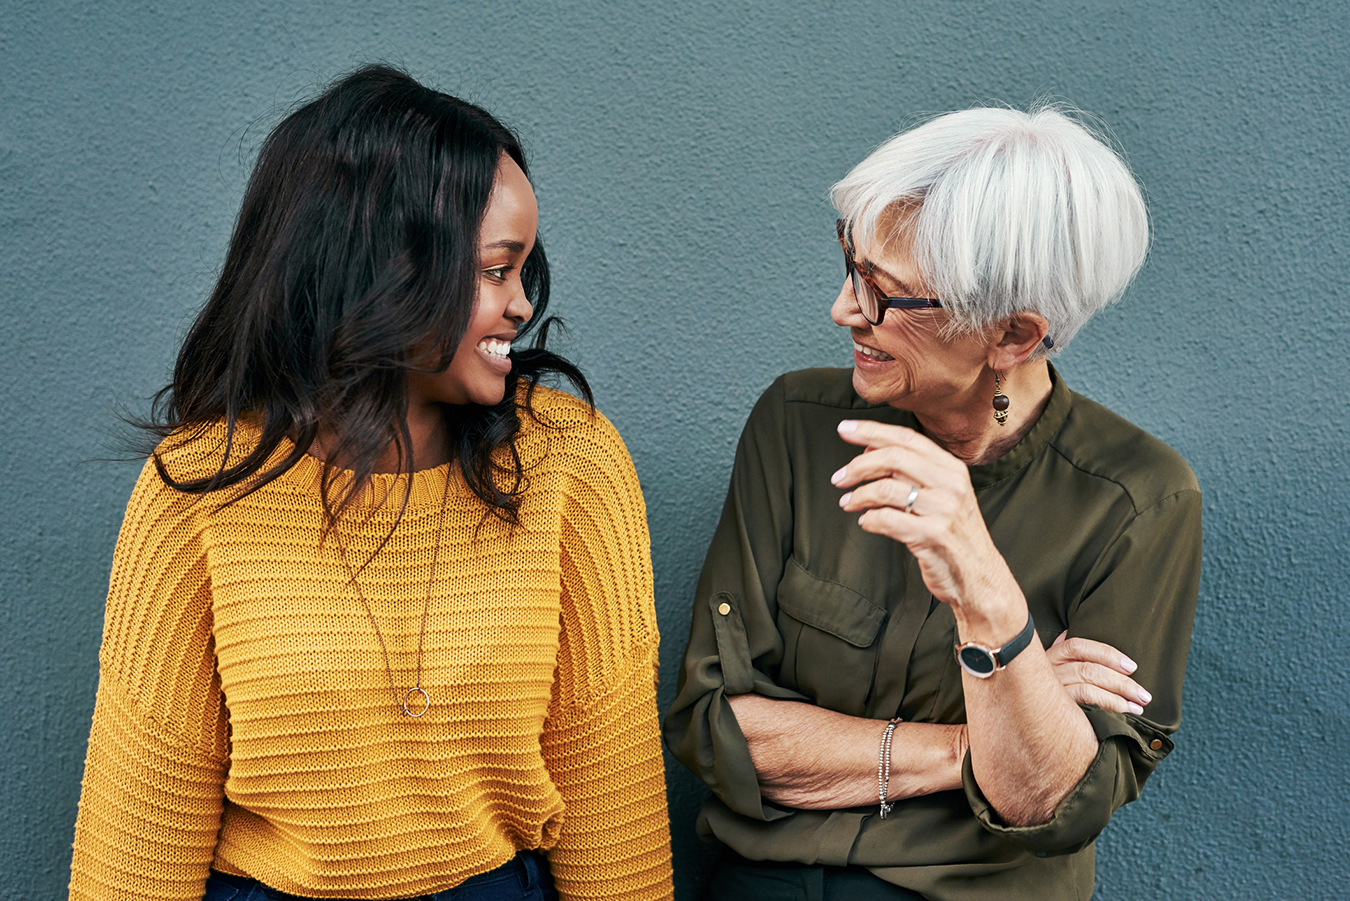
(734, 643)
(1141, 599)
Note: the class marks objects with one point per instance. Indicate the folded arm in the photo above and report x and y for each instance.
(811, 758)
(816, 759)
(1030, 744)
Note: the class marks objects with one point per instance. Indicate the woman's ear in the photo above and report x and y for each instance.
(1016, 339)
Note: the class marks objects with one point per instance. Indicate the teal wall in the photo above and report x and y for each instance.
(682, 152)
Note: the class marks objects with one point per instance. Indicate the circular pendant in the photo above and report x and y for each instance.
(426, 701)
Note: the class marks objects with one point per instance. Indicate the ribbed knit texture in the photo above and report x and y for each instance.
(244, 716)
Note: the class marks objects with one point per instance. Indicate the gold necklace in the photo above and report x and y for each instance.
(401, 702)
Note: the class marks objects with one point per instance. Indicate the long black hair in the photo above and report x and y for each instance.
(356, 243)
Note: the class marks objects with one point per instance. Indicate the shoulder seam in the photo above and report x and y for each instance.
(643, 654)
(132, 704)
(1134, 503)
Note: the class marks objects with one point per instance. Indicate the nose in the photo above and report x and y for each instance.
(519, 310)
(845, 311)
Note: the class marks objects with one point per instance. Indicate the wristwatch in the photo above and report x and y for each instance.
(982, 662)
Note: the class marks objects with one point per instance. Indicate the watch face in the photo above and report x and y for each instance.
(977, 661)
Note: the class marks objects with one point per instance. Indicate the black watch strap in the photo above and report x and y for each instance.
(1005, 654)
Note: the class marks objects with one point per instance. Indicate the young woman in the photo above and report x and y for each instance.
(380, 622)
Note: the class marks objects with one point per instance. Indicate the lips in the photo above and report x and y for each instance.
(872, 353)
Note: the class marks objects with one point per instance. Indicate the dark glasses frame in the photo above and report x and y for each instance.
(872, 301)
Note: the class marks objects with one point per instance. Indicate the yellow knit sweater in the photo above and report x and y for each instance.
(244, 718)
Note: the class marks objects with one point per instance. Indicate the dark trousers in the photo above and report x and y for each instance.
(738, 879)
(526, 878)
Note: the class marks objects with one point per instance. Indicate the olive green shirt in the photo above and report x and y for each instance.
(1098, 521)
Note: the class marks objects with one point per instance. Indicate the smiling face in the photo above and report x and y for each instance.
(906, 361)
(477, 373)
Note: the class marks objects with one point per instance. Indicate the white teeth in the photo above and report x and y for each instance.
(870, 352)
(495, 347)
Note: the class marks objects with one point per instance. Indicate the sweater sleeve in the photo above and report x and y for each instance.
(600, 741)
(151, 801)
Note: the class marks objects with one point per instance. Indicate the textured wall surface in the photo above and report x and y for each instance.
(682, 153)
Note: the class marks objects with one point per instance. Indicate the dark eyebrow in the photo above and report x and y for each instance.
(513, 246)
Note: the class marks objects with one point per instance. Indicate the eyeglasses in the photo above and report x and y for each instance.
(872, 301)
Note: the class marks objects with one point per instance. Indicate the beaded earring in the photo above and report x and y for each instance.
(1001, 402)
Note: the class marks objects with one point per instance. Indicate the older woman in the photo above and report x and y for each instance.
(868, 691)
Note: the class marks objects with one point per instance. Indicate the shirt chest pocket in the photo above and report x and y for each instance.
(829, 639)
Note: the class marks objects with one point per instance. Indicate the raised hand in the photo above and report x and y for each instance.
(908, 488)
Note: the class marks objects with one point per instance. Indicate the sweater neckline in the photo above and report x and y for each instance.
(427, 486)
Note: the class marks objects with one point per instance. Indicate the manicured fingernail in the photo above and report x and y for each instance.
(839, 476)
(1128, 665)
(1133, 708)
(860, 519)
(843, 501)
(848, 425)
(1144, 696)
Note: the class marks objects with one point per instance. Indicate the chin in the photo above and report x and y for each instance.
(489, 397)
(873, 393)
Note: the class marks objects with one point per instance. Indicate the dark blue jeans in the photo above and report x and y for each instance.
(526, 878)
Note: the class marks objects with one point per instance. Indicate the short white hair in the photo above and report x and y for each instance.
(1008, 212)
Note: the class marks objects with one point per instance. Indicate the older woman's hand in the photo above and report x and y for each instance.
(910, 489)
(1093, 672)
(1029, 742)
(944, 529)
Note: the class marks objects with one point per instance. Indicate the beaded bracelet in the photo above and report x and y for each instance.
(884, 767)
